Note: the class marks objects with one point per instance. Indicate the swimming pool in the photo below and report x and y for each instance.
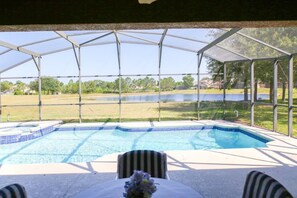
(87, 144)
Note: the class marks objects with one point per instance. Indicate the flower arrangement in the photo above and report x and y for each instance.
(140, 185)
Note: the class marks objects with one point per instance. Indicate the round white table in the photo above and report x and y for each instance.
(115, 189)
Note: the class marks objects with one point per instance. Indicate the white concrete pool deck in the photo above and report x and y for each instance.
(30, 123)
(213, 173)
(9, 128)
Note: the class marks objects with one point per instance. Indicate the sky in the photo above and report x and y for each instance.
(103, 60)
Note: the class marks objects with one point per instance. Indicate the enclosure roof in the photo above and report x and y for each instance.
(223, 45)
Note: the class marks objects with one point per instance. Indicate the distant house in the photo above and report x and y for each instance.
(8, 92)
(30, 92)
(180, 87)
(208, 83)
(26, 90)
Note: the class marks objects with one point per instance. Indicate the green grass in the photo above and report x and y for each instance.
(143, 111)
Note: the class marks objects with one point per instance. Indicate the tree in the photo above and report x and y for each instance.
(128, 84)
(148, 84)
(101, 86)
(282, 71)
(125, 84)
(188, 81)
(239, 72)
(49, 85)
(71, 87)
(89, 87)
(179, 83)
(33, 85)
(6, 85)
(167, 84)
(19, 88)
(111, 87)
(283, 38)
(236, 72)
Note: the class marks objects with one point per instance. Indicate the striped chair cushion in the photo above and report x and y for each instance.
(260, 185)
(13, 191)
(152, 162)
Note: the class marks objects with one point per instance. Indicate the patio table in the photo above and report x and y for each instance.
(115, 188)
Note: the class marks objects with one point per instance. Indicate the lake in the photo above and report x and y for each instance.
(181, 97)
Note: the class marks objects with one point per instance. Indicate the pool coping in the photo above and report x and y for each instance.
(132, 128)
(15, 136)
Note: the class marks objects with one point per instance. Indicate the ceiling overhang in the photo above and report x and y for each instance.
(29, 15)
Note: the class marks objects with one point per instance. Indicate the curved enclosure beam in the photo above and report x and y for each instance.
(218, 40)
(63, 35)
(20, 49)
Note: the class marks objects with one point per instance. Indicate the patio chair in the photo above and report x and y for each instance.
(260, 185)
(13, 191)
(152, 162)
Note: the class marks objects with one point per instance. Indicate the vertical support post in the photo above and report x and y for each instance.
(224, 91)
(120, 75)
(78, 62)
(79, 86)
(39, 88)
(275, 71)
(290, 97)
(160, 63)
(252, 70)
(0, 99)
(120, 85)
(199, 56)
(159, 78)
(38, 66)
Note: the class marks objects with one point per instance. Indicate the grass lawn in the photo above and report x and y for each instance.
(142, 111)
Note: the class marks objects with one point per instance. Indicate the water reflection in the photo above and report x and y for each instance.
(182, 97)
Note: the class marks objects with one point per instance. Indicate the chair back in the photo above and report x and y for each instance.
(13, 191)
(260, 185)
(152, 162)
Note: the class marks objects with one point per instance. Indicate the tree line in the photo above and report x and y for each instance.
(283, 38)
(51, 85)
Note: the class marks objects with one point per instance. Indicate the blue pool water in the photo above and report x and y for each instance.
(87, 145)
